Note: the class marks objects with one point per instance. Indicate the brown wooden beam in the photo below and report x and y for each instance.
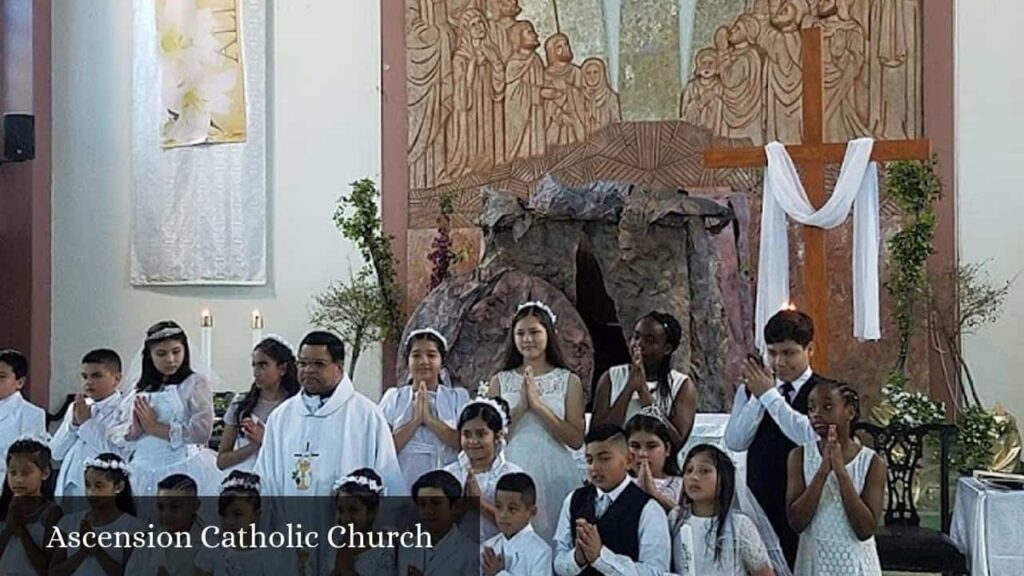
(833, 153)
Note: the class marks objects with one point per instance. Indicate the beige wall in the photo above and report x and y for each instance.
(990, 86)
(324, 100)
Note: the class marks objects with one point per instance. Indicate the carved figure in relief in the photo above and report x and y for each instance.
(602, 102)
(784, 84)
(740, 69)
(430, 90)
(564, 103)
(505, 14)
(702, 99)
(894, 68)
(524, 109)
(479, 80)
(845, 56)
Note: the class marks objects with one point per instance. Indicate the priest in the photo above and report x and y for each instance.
(325, 432)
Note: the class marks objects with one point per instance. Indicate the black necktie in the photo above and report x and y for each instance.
(787, 392)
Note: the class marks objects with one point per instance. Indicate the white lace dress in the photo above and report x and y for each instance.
(537, 451)
(829, 547)
(740, 548)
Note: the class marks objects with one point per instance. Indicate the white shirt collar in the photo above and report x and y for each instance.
(14, 398)
(614, 494)
(518, 536)
(799, 382)
(112, 400)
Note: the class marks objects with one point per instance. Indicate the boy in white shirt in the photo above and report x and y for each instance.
(438, 498)
(18, 417)
(517, 550)
(84, 432)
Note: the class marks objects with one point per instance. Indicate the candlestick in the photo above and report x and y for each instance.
(206, 339)
(686, 536)
(257, 328)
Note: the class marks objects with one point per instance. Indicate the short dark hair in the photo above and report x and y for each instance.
(104, 356)
(335, 347)
(520, 483)
(789, 325)
(605, 432)
(16, 360)
(441, 480)
(179, 483)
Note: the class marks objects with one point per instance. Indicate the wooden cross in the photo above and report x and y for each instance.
(812, 156)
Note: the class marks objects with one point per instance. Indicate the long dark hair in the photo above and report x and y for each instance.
(552, 352)
(40, 455)
(652, 425)
(152, 379)
(725, 490)
(124, 500)
(442, 350)
(673, 336)
(280, 354)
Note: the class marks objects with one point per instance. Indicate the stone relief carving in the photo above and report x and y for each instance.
(485, 90)
(480, 94)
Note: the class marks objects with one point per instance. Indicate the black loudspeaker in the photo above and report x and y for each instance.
(19, 137)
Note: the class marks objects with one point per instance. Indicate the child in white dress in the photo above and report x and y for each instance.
(422, 413)
(166, 421)
(649, 383)
(275, 379)
(547, 406)
(84, 433)
(111, 510)
(482, 427)
(835, 490)
(239, 505)
(711, 536)
(357, 497)
(18, 417)
(27, 510)
(655, 467)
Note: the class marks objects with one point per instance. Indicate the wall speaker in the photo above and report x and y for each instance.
(19, 137)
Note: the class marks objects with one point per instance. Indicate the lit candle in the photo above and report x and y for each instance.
(206, 339)
(257, 328)
(686, 536)
(788, 306)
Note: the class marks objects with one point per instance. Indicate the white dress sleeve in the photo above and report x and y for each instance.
(750, 546)
(195, 425)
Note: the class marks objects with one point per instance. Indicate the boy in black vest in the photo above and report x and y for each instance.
(611, 526)
(781, 392)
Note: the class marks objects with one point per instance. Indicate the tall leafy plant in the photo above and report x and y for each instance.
(915, 187)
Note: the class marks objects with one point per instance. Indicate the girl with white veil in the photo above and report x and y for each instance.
(719, 529)
(166, 419)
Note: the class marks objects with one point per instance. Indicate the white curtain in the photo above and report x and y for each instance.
(199, 212)
(784, 194)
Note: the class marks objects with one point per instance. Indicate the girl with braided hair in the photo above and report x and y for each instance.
(835, 490)
(649, 384)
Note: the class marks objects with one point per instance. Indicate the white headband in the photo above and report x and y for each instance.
(107, 465)
(370, 483)
(40, 437)
(280, 341)
(540, 305)
(493, 404)
(165, 333)
(432, 332)
(239, 483)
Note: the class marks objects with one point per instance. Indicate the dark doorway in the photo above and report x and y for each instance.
(597, 309)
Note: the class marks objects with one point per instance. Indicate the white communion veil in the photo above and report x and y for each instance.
(736, 538)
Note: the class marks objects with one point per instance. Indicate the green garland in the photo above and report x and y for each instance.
(915, 187)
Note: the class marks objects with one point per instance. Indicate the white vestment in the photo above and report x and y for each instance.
(857, 187)
(305, 451)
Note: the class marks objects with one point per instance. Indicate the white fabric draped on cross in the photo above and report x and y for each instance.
(857, 187)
